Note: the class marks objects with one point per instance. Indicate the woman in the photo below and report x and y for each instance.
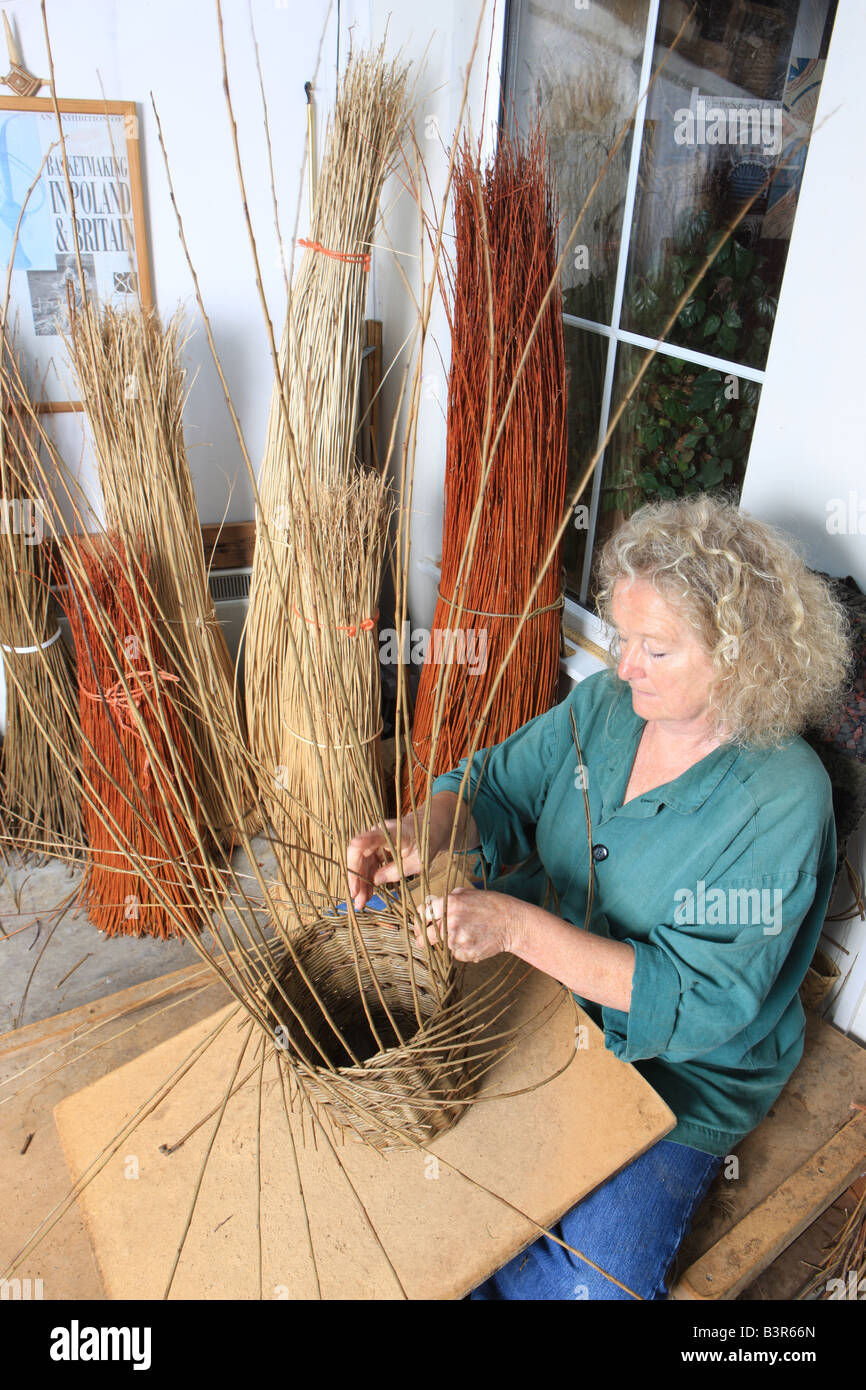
(713, 856)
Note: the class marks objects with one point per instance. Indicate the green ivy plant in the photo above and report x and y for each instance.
(690, 428)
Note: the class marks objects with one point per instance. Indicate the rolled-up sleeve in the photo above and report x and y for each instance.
(647, 1028)
(712, 978)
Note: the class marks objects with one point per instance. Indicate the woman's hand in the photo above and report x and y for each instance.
(370, 862)
(480, 923)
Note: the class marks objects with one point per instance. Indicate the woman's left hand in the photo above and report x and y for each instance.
(480, 923)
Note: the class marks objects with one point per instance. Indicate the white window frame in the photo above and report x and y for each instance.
(578, 614)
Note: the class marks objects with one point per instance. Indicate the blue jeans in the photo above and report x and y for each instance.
(631, 1226)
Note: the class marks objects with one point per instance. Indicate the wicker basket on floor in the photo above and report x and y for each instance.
(820, 979)
(402, 1091)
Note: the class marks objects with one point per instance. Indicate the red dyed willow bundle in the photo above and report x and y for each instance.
(524, 494)
(132, 792)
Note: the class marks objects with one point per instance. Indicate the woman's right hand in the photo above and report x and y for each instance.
(369, 859)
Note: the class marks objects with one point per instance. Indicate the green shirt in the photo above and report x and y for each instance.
(719, 879)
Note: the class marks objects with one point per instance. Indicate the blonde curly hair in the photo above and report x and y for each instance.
(777, 637)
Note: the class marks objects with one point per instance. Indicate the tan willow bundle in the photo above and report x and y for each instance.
(308, 496)
(131, 382)
(40, 790)
(329, 763)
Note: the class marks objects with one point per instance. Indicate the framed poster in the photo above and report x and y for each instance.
(102, 150)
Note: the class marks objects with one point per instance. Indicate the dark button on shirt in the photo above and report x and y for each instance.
(600, 852)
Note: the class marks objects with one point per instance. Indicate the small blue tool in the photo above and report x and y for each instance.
(376, 903)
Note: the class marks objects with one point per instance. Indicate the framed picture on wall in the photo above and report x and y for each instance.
(102, 152)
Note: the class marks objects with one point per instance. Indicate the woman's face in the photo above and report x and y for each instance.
(660, 656)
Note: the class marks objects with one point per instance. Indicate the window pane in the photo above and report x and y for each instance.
(685, 429)
(580, 68)
(585, 358)
(727, 119)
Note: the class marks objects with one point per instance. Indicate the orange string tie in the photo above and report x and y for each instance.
(147, 778)
(352, 630)
(361, 258)
(119, 702)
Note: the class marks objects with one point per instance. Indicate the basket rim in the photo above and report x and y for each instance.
(319, 933)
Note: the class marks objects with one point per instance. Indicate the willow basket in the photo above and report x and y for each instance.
(400, 1093)
(820, 979)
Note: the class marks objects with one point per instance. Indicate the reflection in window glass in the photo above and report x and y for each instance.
(585, 358)
(726, 133)
(685, 429)
(580, 68)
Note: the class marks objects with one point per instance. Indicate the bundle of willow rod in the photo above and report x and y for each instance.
(136, 801)
(505, 496)
(330, 773)
(313, 426)
(842, 1271)
(131, 381)
(42, 799)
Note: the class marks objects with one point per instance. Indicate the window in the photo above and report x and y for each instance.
(727, 119)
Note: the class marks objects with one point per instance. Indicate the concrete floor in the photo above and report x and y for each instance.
(41, 942)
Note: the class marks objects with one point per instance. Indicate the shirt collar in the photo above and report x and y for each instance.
(685, 793)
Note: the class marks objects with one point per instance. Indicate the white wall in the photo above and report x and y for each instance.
(809, 445)
(439, 42)
(171, 47)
